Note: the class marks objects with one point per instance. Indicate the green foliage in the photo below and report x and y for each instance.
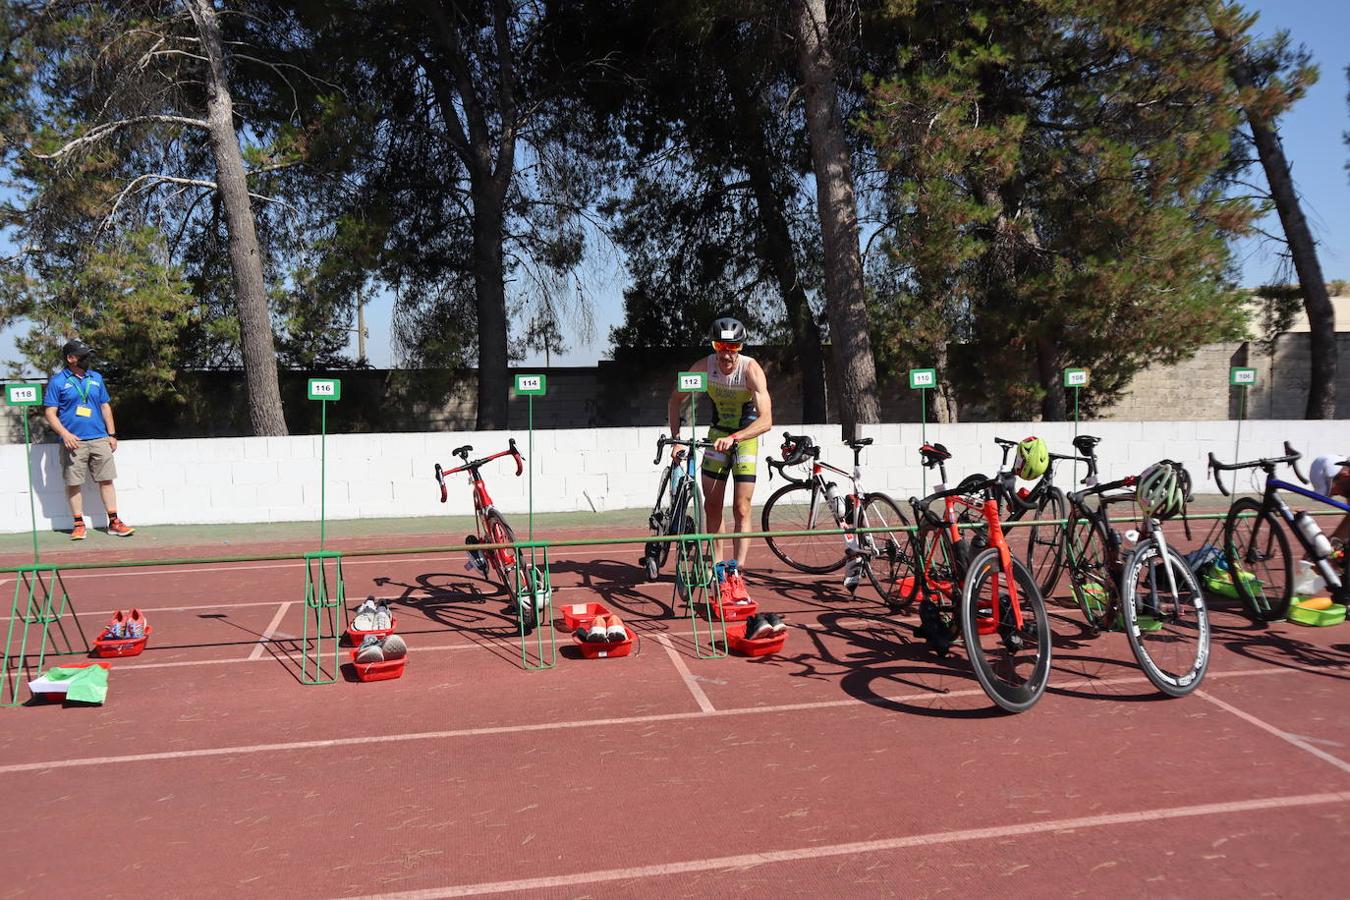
(1055, 197)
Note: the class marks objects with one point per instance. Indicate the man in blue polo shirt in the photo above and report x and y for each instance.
(79, 410)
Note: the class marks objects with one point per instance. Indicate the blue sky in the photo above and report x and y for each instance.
(1313, 140)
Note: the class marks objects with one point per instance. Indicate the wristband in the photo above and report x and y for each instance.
(112, 434)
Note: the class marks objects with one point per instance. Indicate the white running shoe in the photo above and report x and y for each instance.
(394, 647)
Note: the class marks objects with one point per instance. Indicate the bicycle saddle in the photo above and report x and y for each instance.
(463, 451)
(864, 442)
(1004, 442)
(1085, 442)
(934, 453)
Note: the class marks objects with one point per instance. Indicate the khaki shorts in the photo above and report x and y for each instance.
(94, 456)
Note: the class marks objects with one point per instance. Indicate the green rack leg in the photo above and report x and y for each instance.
(322, 600)
(537, 589)
(695, 580)
(43, 605)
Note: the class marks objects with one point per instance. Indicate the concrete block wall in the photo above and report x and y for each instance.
(224, 480)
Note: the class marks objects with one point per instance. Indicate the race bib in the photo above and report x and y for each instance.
(84, 411)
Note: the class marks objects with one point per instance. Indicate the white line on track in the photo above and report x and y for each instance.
(689, 681)
(206, 752)
(904, 842)
(1298, 742)
(271, 630)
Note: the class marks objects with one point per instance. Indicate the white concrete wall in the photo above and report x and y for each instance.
(379, 475)
(216, 480)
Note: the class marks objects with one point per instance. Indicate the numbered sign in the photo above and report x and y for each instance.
(23, 394)
(692, 382)
(1242, 376)
(325, 389)
(1075, 378)
(923, 378)
(531, 385)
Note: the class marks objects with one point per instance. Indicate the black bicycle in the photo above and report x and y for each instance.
(1256, 548)
(674, 512)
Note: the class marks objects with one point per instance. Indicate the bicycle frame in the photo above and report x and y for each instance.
(482, 500)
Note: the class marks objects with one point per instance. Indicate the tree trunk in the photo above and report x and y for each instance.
(490, 292)
(775, 246)
(844, 303)
(1047, 371)
(1302, 248)
(255, 327)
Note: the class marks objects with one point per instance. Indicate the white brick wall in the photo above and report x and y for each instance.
(379, 475)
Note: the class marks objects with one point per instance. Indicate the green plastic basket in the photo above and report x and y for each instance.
(1321, 618)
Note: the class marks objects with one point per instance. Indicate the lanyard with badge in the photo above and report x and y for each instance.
(83, 410)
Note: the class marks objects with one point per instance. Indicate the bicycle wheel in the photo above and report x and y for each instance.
(1012, 662)
(1257, 552)
(1044, 540)
(1168, 631)
(792, 508)
(1088, 559)
(504, 564)
(888, 561)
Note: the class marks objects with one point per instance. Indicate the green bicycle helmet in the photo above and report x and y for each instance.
(1032, 459)
(1159, 491)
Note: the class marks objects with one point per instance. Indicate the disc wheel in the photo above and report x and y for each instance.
(1257, 552)
(1011, 660)
(804, 508)
(1165, 619)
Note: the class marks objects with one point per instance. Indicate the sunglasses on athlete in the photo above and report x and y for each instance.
(728, 346)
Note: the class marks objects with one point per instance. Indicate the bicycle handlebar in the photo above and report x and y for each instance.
(463, 453)
(1076, 497)
(1265, 463)
(663, 441)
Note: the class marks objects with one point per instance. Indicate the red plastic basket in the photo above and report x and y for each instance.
(730, 612)
(385, 670)
(596, 650)
(579, 615)
(355, 636)
(110, 647)
(761, 647)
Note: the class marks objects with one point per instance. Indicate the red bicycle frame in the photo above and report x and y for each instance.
(988, 510)
(482, 500)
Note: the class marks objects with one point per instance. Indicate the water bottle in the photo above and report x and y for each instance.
(1307, 526)
(836, 502)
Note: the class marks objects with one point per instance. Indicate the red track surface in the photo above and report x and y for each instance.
(854, 763)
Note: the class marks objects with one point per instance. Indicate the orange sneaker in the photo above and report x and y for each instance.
(120, 529)
(78, 533)
(734, 589)
(616, 632)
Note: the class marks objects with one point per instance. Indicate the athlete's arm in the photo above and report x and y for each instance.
(759, 387)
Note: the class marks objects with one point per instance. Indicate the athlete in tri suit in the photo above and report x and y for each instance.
(742, 411)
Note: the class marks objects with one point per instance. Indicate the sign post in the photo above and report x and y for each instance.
(534, 583)
(36, 601)
(25, 395)
(923, 381)
(531, 386)
(1242, 378)
(1076, 379)
(320, 596)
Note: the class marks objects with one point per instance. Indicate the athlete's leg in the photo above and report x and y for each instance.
(740, 508)
(714, 492)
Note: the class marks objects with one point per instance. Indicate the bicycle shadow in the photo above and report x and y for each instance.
(617, 586)
(460, 605)
(1275, 648)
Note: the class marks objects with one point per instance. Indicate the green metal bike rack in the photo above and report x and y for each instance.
(43, 605)
(325, 594)
(534, 586)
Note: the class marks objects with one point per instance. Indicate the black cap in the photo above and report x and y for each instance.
(76, 348)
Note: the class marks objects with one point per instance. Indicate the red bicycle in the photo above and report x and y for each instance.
(493, 529)
(973, 586)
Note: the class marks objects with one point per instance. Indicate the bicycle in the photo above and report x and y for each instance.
(1048, 504)
(1255, 545)
(999, 612)
(804, 504)
(1165, 619)
(679, 515)
(492, 528)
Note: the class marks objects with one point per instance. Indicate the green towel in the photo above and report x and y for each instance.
(83, 684)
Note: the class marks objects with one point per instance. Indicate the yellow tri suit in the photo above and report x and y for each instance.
(733, 408)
